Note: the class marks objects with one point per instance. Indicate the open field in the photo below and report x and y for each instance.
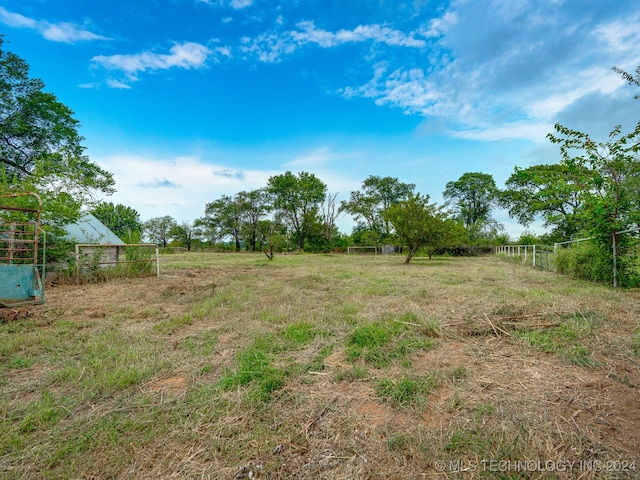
(323, 366)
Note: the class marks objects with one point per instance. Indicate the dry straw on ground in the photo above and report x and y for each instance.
(231, 366)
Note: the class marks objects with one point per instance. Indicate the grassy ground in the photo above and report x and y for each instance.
(323, 366)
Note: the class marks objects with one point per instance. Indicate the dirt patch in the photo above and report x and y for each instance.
(176, 386)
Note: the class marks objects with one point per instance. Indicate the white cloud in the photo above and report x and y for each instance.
(224, 51)
(16, 20)
(181, 186)
(187, 55)
(438, 26)
(510, 131)
(620, 34)
(63, 32)
(235, 4)
(176, 186)
(240, 4)
(272, 46)
(309, 33)
(118, 84)
(312, 160)
(410, 90)
(501, 70)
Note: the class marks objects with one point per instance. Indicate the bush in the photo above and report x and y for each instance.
(594, 262)
(586, 261)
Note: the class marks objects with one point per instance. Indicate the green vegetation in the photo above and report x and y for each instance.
(41, 149)
(567, 339)
(406, 391)
(379, 343)
(305, 358)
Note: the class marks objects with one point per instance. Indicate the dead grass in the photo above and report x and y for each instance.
(231, 366)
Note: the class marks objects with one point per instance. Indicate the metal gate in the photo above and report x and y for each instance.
(22, 257)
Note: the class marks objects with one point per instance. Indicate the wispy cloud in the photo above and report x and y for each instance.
(229, 173)
(187, 55)
(312, 160)
(56, 32)
(273, 45)
(498, 70)
(158, 183)
(118, 84)
(156, 186)
(235, 4)
(309, 33)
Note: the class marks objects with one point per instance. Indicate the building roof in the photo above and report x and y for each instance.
(88, 229)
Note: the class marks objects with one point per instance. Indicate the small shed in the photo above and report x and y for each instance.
(96, 239)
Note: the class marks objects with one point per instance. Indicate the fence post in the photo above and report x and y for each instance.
(615, 260)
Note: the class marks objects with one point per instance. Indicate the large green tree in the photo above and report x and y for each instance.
(611, 192)
(40, 148)
(160, 229)
(471, 199)
(185, 233)
(594, 191)
(122, 220)
(254, 205)
(296, 200)
(369, 204)
(415, 222)
(224, 216)
(553, 192)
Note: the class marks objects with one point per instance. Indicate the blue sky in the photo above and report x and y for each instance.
(187, 100)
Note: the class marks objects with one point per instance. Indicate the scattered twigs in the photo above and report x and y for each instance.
(494, 328)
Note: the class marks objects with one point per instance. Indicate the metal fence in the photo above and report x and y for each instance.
(545, 256)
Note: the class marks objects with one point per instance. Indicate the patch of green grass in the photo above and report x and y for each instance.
(381, 342)
(566, 340)
(300, 333)
(482, 410)
(368, 342)
(21, 362)
(172, 325)
(255, 367)
(479, 442)
(42, 413)
(264, 369)
(411, 391)
(110, 362)
(635, 343)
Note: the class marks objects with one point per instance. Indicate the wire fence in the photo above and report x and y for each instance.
(541, 256)
(545, 257)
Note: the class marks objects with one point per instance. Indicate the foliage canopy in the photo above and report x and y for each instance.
(40, 148)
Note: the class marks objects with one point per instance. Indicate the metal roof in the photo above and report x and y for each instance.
(91, 230)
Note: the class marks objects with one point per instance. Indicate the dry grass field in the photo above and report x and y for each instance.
(323, 366)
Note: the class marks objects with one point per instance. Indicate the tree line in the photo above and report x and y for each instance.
(592, 191)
